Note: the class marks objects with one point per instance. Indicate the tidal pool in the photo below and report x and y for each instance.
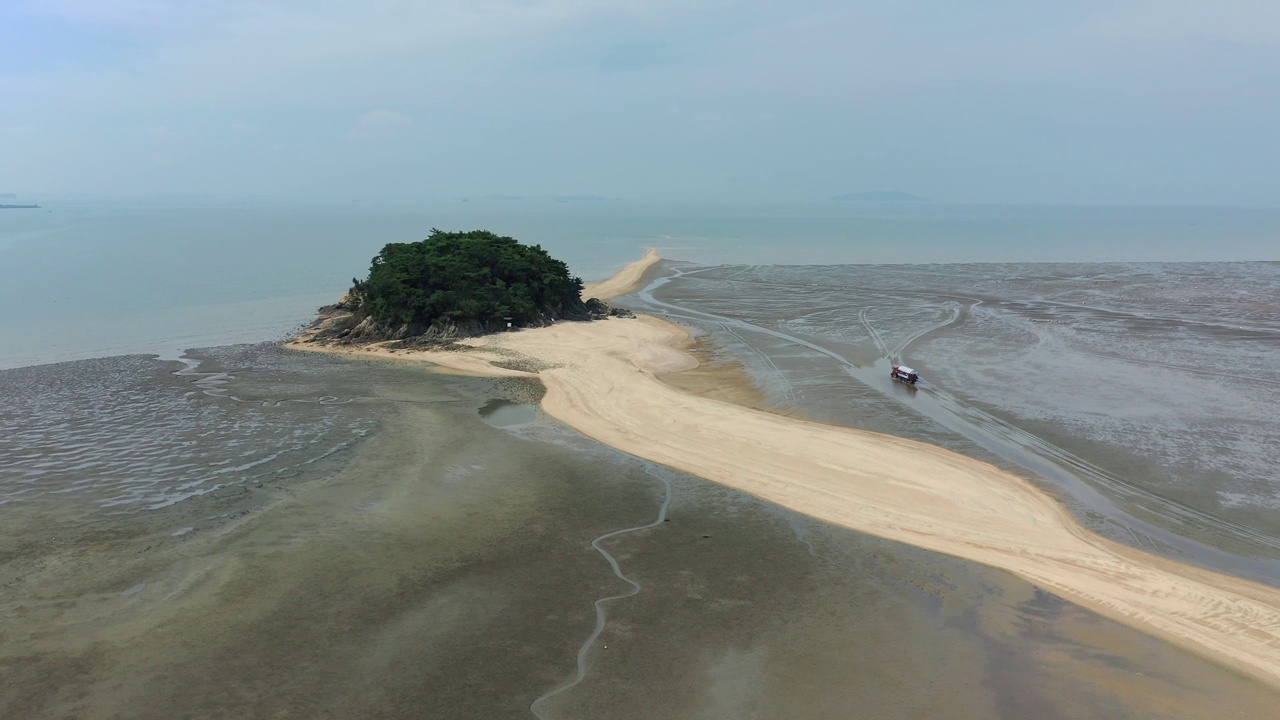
(505, 414)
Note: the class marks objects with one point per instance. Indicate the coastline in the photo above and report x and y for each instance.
(624, 282)
(603, 380)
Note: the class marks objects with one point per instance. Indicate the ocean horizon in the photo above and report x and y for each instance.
(96, 279)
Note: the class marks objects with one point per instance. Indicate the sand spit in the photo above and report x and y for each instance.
(627, 280)
(446, 568)
(603, 382)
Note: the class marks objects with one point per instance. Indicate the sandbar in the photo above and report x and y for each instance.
(627, 280)
(602, 379)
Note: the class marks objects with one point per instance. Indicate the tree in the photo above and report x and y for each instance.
(474, 279)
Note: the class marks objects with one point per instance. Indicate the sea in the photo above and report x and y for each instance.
(84, 280)
(1124, 357)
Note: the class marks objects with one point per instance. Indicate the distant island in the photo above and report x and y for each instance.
(880, 196)
(585, 199)
(543, 198)
(18, 207)
(454, 285)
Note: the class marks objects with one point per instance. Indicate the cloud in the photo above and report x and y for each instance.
(568, 92)
(379, 122)
(286, 53)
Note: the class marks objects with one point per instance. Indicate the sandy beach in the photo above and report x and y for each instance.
(626, 280)
(602, 380)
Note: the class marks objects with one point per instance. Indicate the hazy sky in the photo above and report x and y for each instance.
(1133, 101)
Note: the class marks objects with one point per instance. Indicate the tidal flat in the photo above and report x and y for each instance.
(1142, 395)
(382, 551)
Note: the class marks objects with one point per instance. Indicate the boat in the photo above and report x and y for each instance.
(902, 373)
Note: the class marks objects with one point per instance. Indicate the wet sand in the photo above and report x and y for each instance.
(444, 567)
(399, 587)
(1142, 395)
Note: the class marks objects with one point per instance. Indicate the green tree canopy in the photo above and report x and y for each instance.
(467, 278)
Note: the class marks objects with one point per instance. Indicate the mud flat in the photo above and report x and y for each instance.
(444, 567)
(441, 567)
(1142, 395)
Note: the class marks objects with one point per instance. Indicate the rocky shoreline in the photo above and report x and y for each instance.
(343, 323)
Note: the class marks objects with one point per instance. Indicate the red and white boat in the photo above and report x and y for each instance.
(904, 374)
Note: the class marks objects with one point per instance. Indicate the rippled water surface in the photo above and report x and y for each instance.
(128, 434)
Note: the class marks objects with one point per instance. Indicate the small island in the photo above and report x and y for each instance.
(15, 206)
(454, 285)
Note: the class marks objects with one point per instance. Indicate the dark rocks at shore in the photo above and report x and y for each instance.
(343, 324)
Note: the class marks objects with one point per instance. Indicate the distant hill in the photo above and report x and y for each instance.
(880, 196)
(8, 196)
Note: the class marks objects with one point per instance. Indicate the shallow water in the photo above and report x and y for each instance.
(504, 413)
(129, 434)
(1147, 396)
